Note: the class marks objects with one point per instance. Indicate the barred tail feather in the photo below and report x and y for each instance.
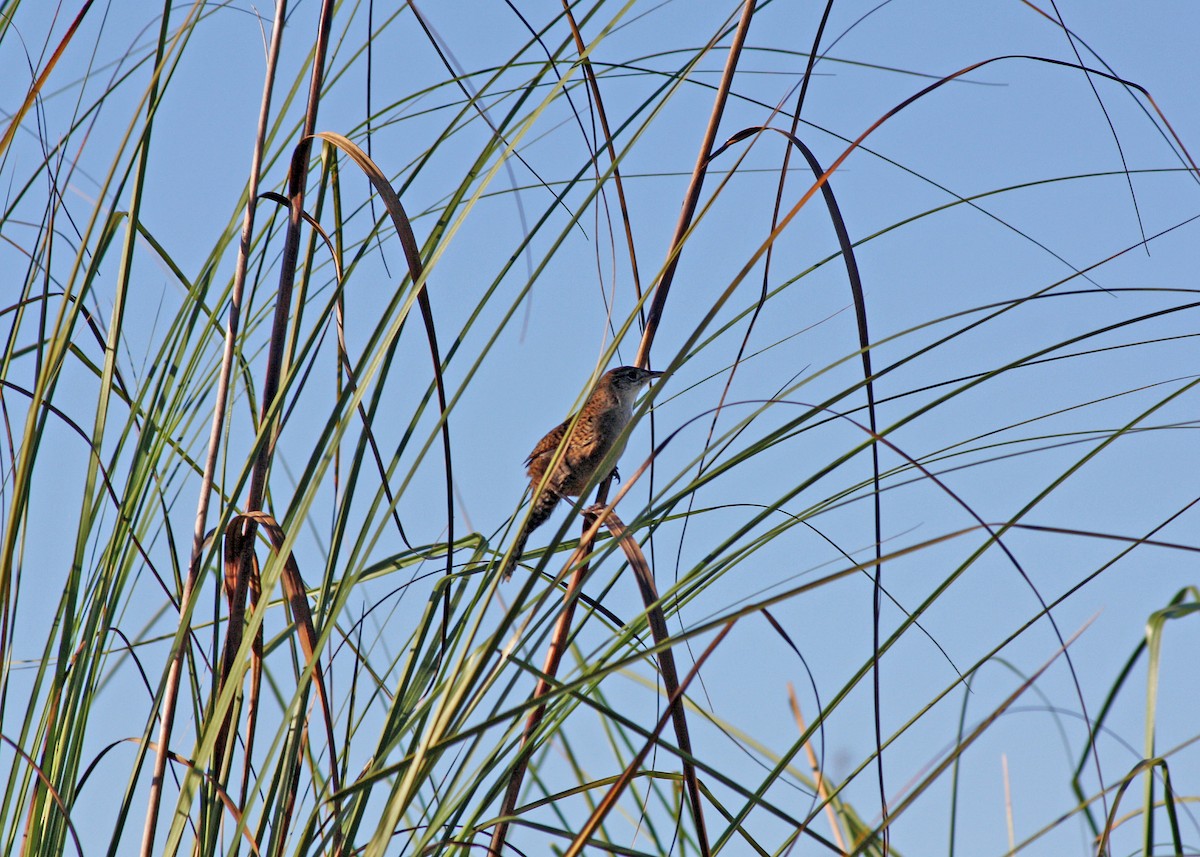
(515, 556)
(543, 507)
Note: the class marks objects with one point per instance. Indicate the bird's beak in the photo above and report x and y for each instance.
(651, 375)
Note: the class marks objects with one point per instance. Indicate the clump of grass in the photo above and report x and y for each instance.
(253, 515)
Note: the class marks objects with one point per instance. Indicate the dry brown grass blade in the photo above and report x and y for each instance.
(254, 699)
(554, 653)
(562, 628)
(246, 564)
(240, 567)
(313, 224)
(221, 401)
(657, 621)
(297, 179)
(242, 578)
(610, 798)
(32, 95)
(592, 521)
(296, 594)
(692, 197)
(818, 777)
(231, 806)
(858, 294)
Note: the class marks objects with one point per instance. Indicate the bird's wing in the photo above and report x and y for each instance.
(544, 451)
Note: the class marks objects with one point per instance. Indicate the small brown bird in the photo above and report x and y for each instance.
(601, 421)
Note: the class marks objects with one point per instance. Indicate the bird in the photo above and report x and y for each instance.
(601, 421)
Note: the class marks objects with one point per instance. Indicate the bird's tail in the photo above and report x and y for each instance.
(543, 507)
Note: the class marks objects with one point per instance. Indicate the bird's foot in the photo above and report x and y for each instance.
(616, 474)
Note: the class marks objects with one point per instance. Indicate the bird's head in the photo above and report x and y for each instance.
(627, 380)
